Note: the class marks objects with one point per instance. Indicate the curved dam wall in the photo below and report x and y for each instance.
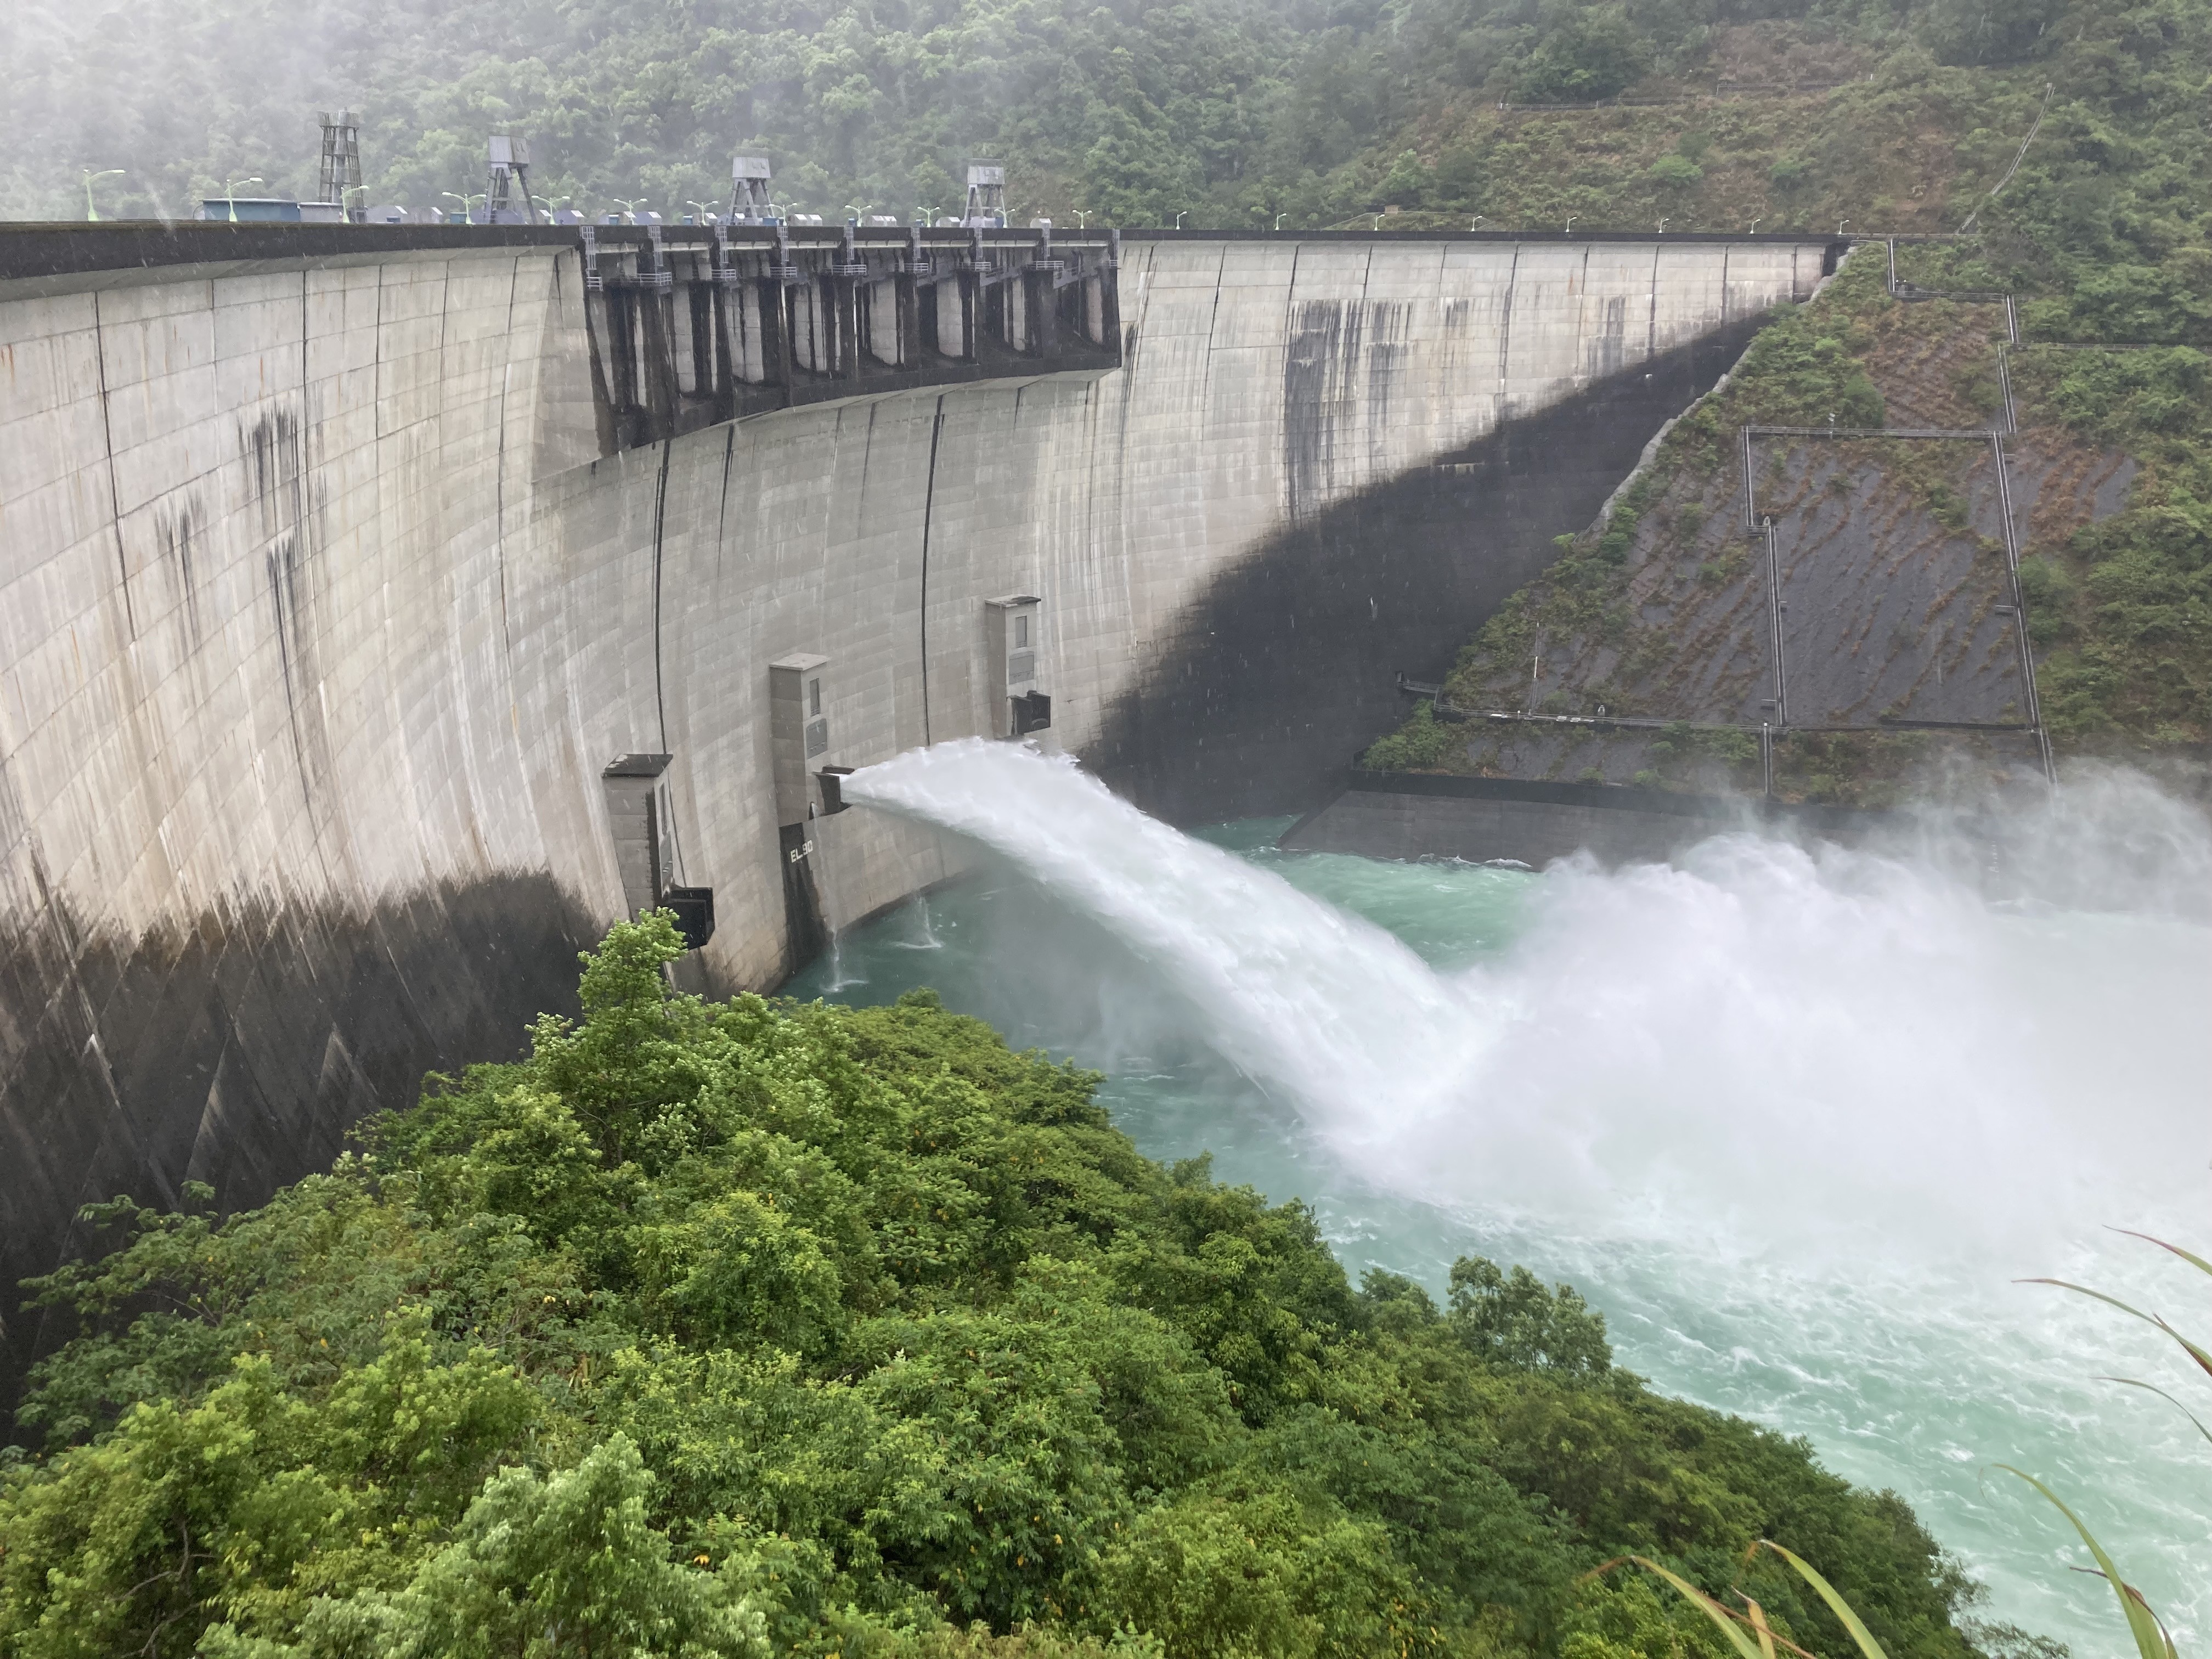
(323, 611)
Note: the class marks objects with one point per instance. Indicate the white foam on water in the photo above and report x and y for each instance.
(1798, 1115)
(1771, 1042)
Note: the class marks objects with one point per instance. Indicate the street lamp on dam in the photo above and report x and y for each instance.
(92, 213)
(230, 194)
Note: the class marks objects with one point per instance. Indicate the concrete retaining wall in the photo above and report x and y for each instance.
(320, 613)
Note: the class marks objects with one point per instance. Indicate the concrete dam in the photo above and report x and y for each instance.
(387, 610)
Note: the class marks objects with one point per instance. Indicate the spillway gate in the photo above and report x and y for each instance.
(693, 325)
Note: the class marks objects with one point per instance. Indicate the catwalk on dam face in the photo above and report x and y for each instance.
(326, 604)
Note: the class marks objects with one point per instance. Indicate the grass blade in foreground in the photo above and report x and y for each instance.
(2190, 1257)
(1837, 1605)
(1713, 1610)
(2151, 1639)
(2132, 1383)
(2196, 1353)
(1757, 1615)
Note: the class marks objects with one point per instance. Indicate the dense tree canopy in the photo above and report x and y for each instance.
(720, 1328)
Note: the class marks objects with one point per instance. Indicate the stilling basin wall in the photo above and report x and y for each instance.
(320, 613)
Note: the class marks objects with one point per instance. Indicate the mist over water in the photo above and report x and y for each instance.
(1794, 1115)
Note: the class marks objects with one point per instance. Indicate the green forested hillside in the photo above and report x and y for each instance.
(647, 99)
(1229, 110)
(751, 1327)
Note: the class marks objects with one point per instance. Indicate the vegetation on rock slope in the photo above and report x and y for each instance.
(741, 1327)
(2119, 607)
(2103, 235)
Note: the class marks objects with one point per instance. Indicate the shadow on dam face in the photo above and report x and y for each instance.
(1284, 666)
(239, 1050)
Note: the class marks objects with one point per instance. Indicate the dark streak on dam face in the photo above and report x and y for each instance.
(1285, 664)
(239, 1049)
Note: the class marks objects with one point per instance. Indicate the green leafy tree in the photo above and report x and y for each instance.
(1589, 53)
(1406, 184)
(543, 1565)
(1512, 1320)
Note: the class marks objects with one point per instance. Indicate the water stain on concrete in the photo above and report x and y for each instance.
(177, 527)
(239, 1048)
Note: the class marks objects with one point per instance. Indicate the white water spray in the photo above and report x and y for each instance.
(1769, 1041)
(1795, 1115)
(1321, 1006)
(826, 872)
(925, 930)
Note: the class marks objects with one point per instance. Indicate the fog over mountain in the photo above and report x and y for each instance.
(633, 99)
(1231, 110)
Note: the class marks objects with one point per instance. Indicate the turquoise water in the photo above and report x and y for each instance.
(1654, 1123)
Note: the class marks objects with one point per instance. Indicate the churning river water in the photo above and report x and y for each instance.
(1793, 1117)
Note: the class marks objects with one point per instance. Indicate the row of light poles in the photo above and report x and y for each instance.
(706, 210)
(1480, 219)
(230, 187)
